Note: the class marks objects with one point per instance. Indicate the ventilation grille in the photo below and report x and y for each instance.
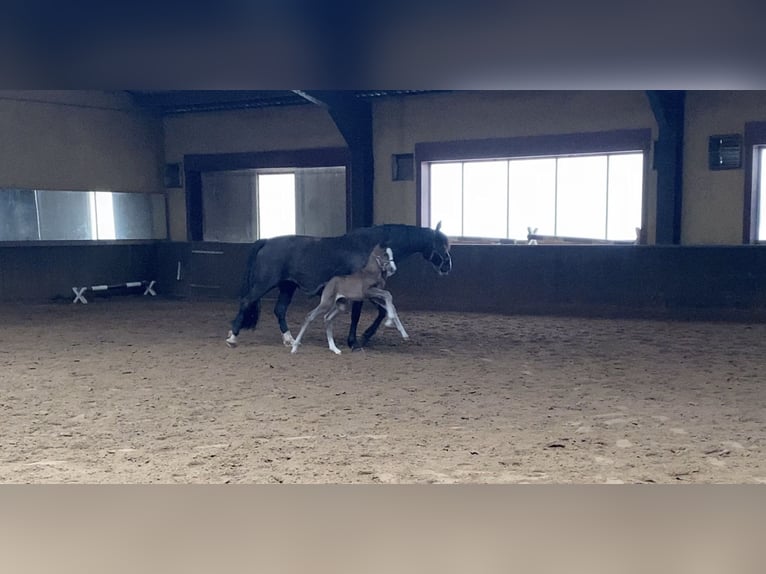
(402, 167)
(725, 152)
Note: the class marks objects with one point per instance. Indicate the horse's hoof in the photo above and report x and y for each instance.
(336, 351)
(287, 339)
(357, 350)
(231, 340)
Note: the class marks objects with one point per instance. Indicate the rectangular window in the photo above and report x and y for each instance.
(276, 204)
(102, 215)
(485, 198)
(588, 196)
(532, 196)
(754, 163)
(18, 215)
(50, 215)
(760, 158)
(581, 197)
(240, 206)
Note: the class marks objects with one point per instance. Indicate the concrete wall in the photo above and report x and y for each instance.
(713, 201)
(643, 281)
(75, 140)
(611, 280)
(658, 281)
(40, 272)
(320, 198)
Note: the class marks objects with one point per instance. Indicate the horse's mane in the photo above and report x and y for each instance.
(411, 234)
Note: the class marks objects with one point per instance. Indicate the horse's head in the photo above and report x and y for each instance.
(438, 252)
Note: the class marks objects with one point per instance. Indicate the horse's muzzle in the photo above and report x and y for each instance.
(442, 263)
(446, 265)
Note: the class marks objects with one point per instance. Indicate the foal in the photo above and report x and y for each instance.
(367, 283)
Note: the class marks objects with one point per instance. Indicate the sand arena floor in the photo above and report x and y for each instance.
(136, 390)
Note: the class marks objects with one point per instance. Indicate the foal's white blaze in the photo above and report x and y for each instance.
(287, 339)
(231, 340)
(391, 265)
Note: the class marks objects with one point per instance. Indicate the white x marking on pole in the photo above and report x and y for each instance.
(149, 289)
(78, 292)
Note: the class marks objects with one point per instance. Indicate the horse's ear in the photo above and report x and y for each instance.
(438, 226)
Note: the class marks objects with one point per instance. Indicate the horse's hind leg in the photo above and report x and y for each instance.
(373, 328)
(247, 308)
(247, 316)
(286, 291)
(356, 313)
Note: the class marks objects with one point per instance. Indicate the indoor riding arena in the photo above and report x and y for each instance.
(603, 319)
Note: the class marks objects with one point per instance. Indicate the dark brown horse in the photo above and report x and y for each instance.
(294, 261)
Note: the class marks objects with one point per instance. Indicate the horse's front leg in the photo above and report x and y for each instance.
(286, 291)
(373, 328)
(356, 312)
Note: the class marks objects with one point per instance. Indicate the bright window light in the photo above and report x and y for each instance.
(102, 215)
(581, 197)
(585, 196)
(761, 195)
(485, 196)
(532, 197)
(276, 204)
(625, 196)
(447, 197)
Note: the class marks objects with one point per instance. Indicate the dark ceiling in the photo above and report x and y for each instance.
(185, 101)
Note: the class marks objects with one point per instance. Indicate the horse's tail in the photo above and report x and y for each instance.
(252, 312)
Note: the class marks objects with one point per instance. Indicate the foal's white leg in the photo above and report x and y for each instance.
(328, 321)
(391, 310)
(330, 340)
(391, 314)
(398, 323)
(309, 318)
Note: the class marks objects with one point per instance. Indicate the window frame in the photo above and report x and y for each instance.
(572, 144)
(90, 193)
(755, 136)
(195, 164)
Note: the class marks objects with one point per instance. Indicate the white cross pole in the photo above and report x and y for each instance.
(78, 292)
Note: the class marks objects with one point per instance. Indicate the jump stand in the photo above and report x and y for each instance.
(79, 292)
